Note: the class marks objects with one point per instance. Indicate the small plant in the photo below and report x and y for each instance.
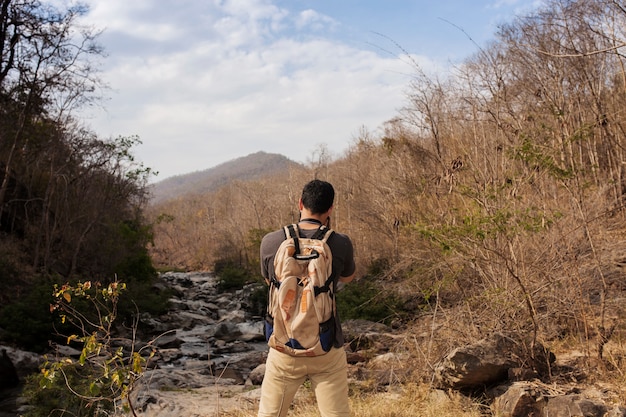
(231, 276)
(257, 300)
(108, 368)
(365, 299)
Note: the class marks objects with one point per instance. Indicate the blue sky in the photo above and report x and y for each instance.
(202, 82)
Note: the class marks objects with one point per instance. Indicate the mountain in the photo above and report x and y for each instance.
(255, 165)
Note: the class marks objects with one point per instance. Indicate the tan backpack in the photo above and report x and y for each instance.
(301, 308)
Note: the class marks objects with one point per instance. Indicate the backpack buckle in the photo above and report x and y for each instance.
(313, 255)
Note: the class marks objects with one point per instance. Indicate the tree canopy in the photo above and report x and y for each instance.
(71, 203)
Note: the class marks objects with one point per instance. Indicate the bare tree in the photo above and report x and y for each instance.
(45, 70)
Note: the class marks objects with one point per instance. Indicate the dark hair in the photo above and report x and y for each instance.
(318, 196)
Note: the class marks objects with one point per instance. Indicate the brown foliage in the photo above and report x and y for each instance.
(496, 194)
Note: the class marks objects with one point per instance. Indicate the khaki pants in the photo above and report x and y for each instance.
(284, 374)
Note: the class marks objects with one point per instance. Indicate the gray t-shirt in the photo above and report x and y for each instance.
(343, 261)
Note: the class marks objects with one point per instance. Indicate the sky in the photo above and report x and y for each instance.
(202, 82)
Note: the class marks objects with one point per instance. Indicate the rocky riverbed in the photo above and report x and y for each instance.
(211, 351)
(210, 354)
(207, 347)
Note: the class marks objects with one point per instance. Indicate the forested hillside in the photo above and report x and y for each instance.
(256, 165)
(494, 201)
(71, 203)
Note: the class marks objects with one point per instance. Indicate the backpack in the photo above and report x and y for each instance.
(301, 307)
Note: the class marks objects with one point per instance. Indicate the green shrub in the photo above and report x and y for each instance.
(231, 276)
(144, 297)
(378, 267)
(104, 375)
(27, 321)
(257, 301)
(36, 325)
(134, 263)
(365, 299)
(55, 398)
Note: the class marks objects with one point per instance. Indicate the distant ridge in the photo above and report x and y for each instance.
(248, 167)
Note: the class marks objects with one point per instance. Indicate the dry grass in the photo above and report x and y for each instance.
(415, 400)
(399, 401)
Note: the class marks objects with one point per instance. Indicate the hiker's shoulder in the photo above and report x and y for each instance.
(339, 238)
(274, 237)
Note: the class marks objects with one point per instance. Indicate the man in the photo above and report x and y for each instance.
(328, 373)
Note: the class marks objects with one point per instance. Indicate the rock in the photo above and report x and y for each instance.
(360, 326)
(386, 360)
(388, 368)
(616, 411)
(66, 351)
(483, 363)
(229, 375)
(521, 399)
(167, 341)
(234, 347)
(235, 315)
(196, 350)
(522, 374)
(367, 335)
(574, 405)
(536, 399)
(197, 365)
(486, 362)
(257, 374)
(8, 373)
(25, 363)
(251, 332)
(167, 356)
(173, 378)
(227, 331)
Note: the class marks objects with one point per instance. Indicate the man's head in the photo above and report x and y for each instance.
(318, 196)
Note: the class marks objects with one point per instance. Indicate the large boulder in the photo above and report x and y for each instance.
(487, 362)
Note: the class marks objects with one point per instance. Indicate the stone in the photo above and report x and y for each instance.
(487, 362)
(227, 331)
(167, 341)
(536, 399)
(257, 374)
(522, 399)
(575, 406)
(616, 411)
(367, 335)
(8, 373)
(251, 332)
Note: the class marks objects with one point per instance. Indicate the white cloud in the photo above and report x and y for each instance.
(315, 21)
(210, 81)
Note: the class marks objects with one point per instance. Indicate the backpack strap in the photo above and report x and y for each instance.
(326, 287)
(322, 233)
(291, 231)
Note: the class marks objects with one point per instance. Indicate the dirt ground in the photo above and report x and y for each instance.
(201, 402)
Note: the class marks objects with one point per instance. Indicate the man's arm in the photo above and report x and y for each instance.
(347, 279)
(349, 267)
(269, 245)
(264, 260)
